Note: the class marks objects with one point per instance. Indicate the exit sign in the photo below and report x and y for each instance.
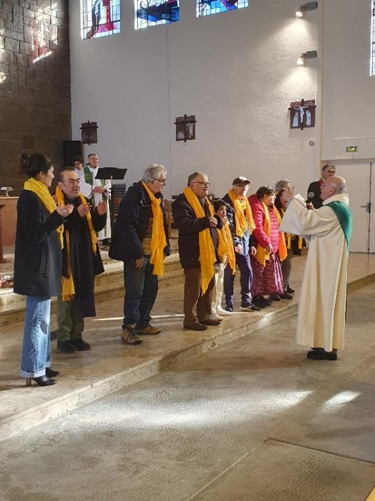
(351, 149)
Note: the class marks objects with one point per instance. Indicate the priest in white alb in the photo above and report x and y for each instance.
(322, 302)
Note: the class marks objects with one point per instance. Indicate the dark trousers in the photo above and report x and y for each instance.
(246, 280)
(286, 268)
(70, 323)
(197, 307)
(141, 289)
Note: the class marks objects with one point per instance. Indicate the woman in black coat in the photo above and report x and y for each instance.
(37, 264)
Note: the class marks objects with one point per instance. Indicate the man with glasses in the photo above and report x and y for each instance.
(81, 262)
(313, 191)
(140, 240)
(197, 241)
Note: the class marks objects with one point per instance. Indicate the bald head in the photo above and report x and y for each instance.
(334, 185)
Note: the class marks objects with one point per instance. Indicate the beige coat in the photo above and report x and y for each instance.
(322, 303)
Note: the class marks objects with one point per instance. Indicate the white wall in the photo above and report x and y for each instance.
(235, 72)
(348, 90)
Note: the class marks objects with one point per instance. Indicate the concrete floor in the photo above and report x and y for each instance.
(253, 420)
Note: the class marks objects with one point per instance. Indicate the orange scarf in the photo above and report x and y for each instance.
(158, 240)
(262, 255)
(225, 247)
(68, 290)
(241, 208)
(207, 256)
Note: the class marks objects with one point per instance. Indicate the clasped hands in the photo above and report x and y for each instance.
(84, 209)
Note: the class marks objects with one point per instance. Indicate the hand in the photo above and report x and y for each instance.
(65, 211)
(83, 209)
(238, 248)
(253, 251)
(55, 199)
(287, 195)
(139, 263)
(213, 222)
(269, 248)
(99, 189)
(101, 208)
(309, 206)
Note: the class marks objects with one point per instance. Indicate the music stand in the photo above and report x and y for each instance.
(110, 173)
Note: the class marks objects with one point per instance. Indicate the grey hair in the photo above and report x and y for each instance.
(153, 172)
(194, 176)
(281, 185)
(340, 185)
(328, 166)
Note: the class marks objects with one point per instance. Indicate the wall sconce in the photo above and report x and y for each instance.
(307, 6)
(310, 54)
(3, 77)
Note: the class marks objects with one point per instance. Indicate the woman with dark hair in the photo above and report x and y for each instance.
(38, 264)
(271, 248)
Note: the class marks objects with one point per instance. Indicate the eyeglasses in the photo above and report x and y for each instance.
(162, 181)
(202, 183)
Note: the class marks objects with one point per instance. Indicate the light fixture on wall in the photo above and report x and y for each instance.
(305, 7)
(3, 77)
(310, 54)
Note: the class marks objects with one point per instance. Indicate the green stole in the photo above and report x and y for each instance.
(344, 215)
(89, 179)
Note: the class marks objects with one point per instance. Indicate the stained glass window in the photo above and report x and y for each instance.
(372, 56)
(99, 18)
(210, 7)
(154, 12)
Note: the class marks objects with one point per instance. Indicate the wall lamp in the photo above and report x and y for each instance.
(3, 77)
(307, 6)
(310, 54)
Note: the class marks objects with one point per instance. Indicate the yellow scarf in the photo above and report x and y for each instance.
(241, 207)
(207, 254)
(41, 191)
(225, 247)
(158, 240)
(262, 255)
(68, 290)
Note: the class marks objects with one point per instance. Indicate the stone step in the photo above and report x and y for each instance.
(108, 286)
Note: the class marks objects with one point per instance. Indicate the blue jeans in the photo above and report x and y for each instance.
(36, 351)
(141, 288)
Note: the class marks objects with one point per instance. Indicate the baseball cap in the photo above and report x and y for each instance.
(241, 180)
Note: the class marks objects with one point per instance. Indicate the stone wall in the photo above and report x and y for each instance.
(35, 98)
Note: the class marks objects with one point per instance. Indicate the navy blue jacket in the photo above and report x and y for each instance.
(38, 256)
(131, 224)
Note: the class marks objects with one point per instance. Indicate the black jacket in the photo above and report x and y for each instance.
(189, 227)
(314, 187)
(38, 257)
(131, 224)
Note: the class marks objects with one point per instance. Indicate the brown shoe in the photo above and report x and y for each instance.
(129, 335)
(149, 331)
(195, 327)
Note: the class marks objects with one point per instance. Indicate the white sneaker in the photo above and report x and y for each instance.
(223, 312)
(215, 316)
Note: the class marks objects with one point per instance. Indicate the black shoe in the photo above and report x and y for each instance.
(321, 354)
(261, 302)
(41, 381)
(290, 290)
(65, 347)
(80, 344)
(275, 297)
(229, 307)
(196, 327)
(51, 373)
(210, 321)
(285, 295)
(249, 307)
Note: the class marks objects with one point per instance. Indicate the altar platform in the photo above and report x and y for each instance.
(110, 365)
